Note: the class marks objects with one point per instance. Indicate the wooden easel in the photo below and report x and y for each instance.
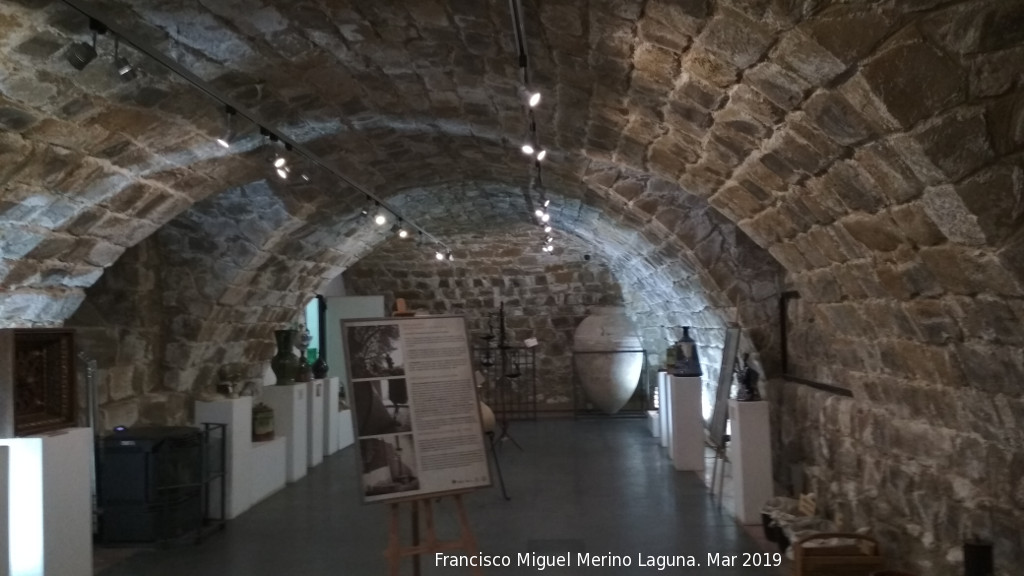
(430, 543)
(718, 471)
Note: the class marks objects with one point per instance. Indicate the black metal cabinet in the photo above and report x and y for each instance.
(154, 483)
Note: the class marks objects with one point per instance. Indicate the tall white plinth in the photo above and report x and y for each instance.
(49, 513)
(668, 415)
(751, 459)
(237, 414)
(315, 429)
(663, 408)
(687, 424)
(268, 467)
(5, 547)
(291, 415)
(346, 434)
(331, 420)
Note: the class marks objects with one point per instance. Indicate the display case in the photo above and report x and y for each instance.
(155, 484)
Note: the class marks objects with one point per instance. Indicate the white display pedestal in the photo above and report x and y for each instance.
(237, 414)
(654, 423)
(331, 389)
(49, 513)
(315, 430)
(751, 459)
(291, 417)
(687, 424)
(268, 467)
(346, 435)
(663, 408)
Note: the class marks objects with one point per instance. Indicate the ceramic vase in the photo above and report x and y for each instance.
(304, 372)
(285, 364)
(262, 423)
(609, 357)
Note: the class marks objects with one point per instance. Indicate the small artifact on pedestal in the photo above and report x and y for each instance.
(284, 363)
(747, 378)
(687, 362)
(304, 372)
(229, 376)
(262, 423)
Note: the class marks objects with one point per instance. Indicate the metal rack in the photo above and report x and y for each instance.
(158, 489)
(511, 392)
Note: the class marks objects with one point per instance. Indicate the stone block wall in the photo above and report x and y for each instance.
(545, 296)
(121, 325)
(924, 468)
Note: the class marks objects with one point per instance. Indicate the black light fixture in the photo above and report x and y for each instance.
(229, 130)
(381, 217)
(81, 54)
(124, 68)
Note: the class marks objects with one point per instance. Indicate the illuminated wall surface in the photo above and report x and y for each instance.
(48, 512)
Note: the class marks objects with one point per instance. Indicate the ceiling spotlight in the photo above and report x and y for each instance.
(439, 255)
(305, 177)
(81, 54)
(548, 248)
(283, 172)
(532, 97)
(450, 256)
(380, 218)
(538, 213)
(229, 132)
(528, 149)
(547, 229)
(542, 154)
(124, 68)
(279, 161)
(549, 240)
(547, 203)
(403, 233)
(545, 217)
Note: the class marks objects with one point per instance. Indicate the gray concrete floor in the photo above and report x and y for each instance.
(597, 485)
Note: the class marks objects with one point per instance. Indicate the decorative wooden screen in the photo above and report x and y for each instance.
(38, 381)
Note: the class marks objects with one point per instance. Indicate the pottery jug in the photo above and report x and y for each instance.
(285, 364)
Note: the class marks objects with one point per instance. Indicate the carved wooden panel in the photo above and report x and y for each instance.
(38, 384)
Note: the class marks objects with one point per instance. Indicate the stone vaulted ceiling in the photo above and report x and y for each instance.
(870, 150)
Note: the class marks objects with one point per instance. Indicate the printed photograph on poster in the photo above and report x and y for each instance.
(375, 351)
(381, 406)
(415, 410)
(389, 465)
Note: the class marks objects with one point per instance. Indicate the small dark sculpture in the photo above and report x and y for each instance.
(687, 361)
(747, 378)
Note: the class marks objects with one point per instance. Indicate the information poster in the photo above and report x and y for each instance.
(414, 406)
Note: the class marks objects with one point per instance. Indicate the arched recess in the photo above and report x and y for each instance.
(239, 264)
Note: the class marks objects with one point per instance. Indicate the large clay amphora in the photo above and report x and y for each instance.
(609, 357)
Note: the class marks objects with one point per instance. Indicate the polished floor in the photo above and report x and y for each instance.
(598, 486)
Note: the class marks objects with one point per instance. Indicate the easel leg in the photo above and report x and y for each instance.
(416, 534)
(468, 540)
(394, 548)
